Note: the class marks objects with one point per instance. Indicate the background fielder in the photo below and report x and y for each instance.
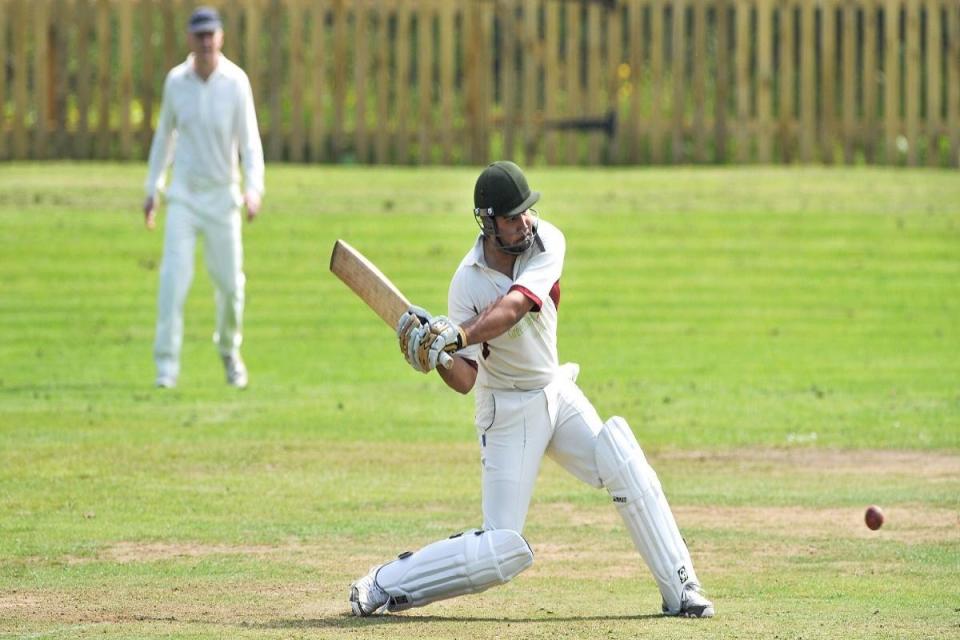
(502, 326)
(207, 121)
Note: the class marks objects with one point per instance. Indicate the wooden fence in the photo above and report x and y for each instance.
(539, 81)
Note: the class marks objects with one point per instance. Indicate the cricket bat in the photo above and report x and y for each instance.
(372, 286)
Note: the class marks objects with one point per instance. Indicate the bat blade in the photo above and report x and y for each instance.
(368, 282)
(372, 286)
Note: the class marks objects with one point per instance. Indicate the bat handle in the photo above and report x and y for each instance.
(446, 361)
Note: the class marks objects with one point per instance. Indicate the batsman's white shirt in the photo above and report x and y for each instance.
(206, 128)
(525, 357)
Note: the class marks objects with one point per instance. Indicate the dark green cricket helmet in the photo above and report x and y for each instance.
(502, 191)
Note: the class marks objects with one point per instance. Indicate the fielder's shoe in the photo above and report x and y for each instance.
(236, 371)
(692, 604)
(366, 596)
(166, 382)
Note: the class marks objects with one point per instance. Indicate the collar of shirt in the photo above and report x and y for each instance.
(477, 258)
(217, 70)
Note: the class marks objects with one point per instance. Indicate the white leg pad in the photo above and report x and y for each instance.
(639, 498)
(468, 562)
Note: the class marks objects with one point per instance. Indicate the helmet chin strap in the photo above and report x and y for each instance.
(517, 248)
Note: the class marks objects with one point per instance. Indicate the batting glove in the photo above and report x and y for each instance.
(412, 327)
(444, 337)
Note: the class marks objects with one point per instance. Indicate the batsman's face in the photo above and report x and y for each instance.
(514, 229)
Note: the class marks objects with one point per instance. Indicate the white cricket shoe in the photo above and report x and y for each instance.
(366, 596)
(166, 382)
(236, 371)
(693, 604)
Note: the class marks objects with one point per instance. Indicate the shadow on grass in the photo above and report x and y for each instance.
(348, 621)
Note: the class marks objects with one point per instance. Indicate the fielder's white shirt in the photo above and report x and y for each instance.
(204, 127)
(525, 357)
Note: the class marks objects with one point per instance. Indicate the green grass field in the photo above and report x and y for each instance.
(784, 342)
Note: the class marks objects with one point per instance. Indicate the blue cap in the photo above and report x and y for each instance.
(205, 20)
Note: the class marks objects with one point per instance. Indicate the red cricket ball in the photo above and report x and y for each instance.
(873, 517)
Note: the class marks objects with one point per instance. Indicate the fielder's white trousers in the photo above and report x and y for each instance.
(516, 429)
(220, 228)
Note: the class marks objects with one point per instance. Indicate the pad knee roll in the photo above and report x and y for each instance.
(468, 562)
(636, 491)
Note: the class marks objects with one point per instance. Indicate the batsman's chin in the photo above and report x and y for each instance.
(518, 246)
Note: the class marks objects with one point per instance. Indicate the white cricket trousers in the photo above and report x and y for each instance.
(223, 253)
(516, 428)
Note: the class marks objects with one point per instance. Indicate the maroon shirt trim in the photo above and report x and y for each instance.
(537, 303)
(529, 294)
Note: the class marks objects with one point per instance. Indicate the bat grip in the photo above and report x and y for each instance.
(446, 361)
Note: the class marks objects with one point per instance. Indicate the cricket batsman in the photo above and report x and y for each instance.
(502, 334)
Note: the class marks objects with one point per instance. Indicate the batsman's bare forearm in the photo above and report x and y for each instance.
(498, 318)
(461, 376)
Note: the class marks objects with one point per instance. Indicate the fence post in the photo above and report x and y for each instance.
(742, 81)
(381, 39)
(891, 71)
(849, 83)
(126, 79)
(828, 79)
(487, 83)
(808, 79)
(147, 79)
(870, 80)
(171, 31)
(317, 80)
(447, 59)
(4, 11)
(723, 81)
(953, 83)
(403, 81)
(41, 100)
(58, 75)
(425, 80)
(699, 80)
(786, 80)
(104, 84)
(274, 150)
(934, 82)
(573, 60)
(296, 80)
(912, 64)
(635, 31)
(551, 71)
(764, 81)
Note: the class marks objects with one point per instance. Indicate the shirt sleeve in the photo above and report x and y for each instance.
(460, 308)
(543, 271)
(251, 148)
(164, 141)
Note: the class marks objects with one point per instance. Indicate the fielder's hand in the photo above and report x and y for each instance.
(412, 327)
(252, 201)
(150, 213)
